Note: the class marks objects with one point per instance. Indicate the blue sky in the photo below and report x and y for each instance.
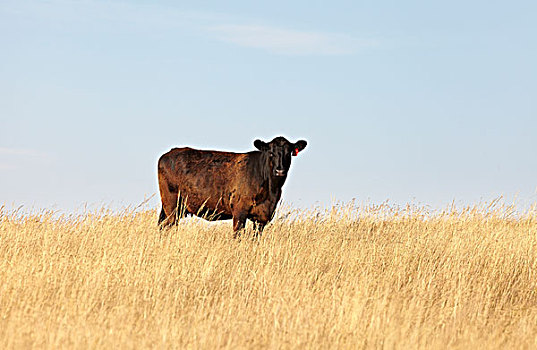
(411, 101)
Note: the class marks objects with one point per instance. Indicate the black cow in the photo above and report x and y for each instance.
(223, 185)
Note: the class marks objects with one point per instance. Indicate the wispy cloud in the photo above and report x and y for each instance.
(6, 166)
(5, 151)
(221, 26)
(13, 158)
(290, 42)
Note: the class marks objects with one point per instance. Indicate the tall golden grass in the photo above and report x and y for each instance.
(346, 277)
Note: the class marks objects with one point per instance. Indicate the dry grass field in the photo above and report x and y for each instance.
(350, 277)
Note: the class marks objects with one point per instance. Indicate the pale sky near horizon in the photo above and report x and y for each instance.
(424, 102)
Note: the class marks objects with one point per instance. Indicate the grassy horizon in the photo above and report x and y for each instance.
(345, 277)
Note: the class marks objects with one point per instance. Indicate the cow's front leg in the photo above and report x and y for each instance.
(239, 220)
(258, 228)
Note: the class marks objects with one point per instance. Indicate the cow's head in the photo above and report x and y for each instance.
(279, 152)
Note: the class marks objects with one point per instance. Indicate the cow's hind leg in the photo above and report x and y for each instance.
(162, 216)
(169, 197)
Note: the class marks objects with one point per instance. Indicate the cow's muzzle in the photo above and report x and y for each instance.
(280, 172)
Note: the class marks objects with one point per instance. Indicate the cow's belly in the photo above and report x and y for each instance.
(197, 203)
(205, 200)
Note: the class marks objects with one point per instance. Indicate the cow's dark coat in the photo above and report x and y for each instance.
(224, 185)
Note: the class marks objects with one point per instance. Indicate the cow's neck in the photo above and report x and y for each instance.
(276, 183)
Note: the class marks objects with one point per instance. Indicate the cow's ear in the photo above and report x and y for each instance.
(260, 145)
(299, 146)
